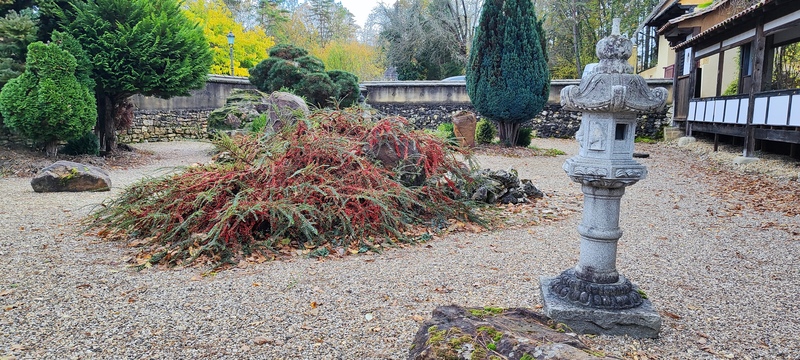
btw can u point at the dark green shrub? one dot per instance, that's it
(88, 144)
(259, 74)
(283, 74)
(485, 132)
(524, 137)
(311, 64)
(287, 52)
(347, 85)
(290, 69)
(47, 103)
(317, 89)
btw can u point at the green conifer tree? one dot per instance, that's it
(47, 103)
(507, 76)
(146, 47)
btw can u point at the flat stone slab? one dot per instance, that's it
(686, 140)
(640, 322)
(743, 160)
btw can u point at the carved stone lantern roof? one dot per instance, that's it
(612, 86)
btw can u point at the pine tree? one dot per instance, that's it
(507, 76)
(17, 31)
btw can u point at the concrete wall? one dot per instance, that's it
(455, 92)
(181, 117)
(210, 97)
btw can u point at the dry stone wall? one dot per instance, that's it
(166, 125)
(552, 121)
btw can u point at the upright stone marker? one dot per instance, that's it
(593, 297)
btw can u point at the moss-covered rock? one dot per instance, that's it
(494, 333)
(245, 105)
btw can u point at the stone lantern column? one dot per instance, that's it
(593, 297)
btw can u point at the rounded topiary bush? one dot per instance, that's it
(47, 103)
(317, 88)
(260, 73)
(283, 74)
(287, 52)
(290, 68)
(485, 132)
(524, 137)
(311, 64)
(347, 84)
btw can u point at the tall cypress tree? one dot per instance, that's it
(507, 76)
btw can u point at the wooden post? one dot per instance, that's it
(716, 142)
(755, 86)
(720, 65)
(692, 80)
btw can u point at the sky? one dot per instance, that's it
(361, 8)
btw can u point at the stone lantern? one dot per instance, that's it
(593, 297)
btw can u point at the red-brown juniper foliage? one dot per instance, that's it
(310, 186)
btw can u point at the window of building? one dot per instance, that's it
(647, 49)
(785, 66)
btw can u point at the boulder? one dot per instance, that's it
(504, 187)
(71, 176)
(464, 123)
(245, 105)
(455, 332)
(282, 108)
(240, 108)
(398, 154)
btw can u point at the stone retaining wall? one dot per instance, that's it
(163, 125)
(551, 122)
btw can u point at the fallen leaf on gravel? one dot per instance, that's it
(11, 307)
(260, 340)
(7, 292)
(708, 349)
(256, 284)
(314, 304)
(669, 314)
(418, 318)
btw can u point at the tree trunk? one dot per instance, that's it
(106, 126)
(576, 38)
(51, 149)
(508, 132)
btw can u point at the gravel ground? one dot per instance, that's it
(727, 286)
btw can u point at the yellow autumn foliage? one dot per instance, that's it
(360, 59)
(249, 48)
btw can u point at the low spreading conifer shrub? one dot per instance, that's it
(310, 186)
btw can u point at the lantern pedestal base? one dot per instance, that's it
(642, 321)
